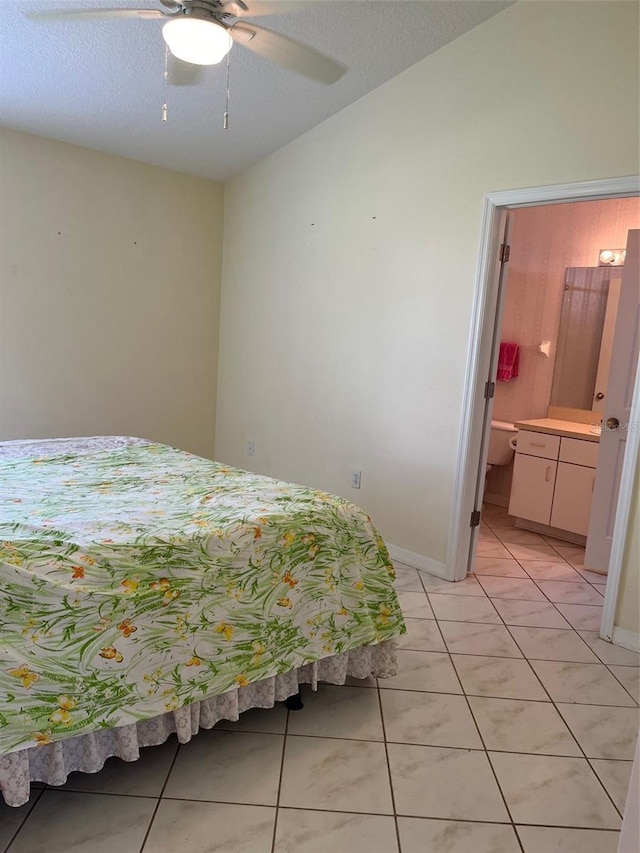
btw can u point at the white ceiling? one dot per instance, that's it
(100, 83)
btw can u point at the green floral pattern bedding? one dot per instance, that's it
(140, 578)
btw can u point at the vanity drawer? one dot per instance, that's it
(538, 444)
(579, 452)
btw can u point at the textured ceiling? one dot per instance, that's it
(100, 83)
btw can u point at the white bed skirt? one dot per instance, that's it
(88, 753)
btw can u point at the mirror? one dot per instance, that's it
(585, 337)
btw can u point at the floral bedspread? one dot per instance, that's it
(137, 578)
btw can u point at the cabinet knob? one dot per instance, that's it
(612, 423)
(599, 396)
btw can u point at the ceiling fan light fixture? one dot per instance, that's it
(197, 40)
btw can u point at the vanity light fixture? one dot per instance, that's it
(611, 257)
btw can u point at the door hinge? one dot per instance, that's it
(505, 251)
(489, 390)
(475, 518)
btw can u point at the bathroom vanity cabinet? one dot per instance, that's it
(553, 475)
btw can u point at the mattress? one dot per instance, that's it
(137, 579)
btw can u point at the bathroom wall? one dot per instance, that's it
(545, 241)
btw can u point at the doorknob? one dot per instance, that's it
(612, 423)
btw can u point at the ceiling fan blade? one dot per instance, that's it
(96, 14)
(260, 8)
(287, 52)
(180, 73)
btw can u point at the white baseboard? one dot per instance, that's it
(627, 639)
(416, 561)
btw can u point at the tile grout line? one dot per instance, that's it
(284, 746)
(347, 811)
(389, 774)
(558, 711)
(162, 790)
(623, 760)
(624, 687)
(628, 665)
(546, 598)
(558, 660)
(494, 598)
(455, 596)
(408, 815)
(579, 577)
(159, 799)
(562, 559)
(586, 758)
(553, 603)
(493, 771)
(523, 657)
(446, 819)
(582, 579)
(386, 814)
(542, 536)
(486, 752)
(530, 667)
(487, 696)
(595, 772)
(579, 603)
(484, 749)
(24, 820)
(575, 631)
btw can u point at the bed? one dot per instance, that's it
(147, 591)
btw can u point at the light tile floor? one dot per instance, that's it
(510, 727)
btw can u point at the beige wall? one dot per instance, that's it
(110, 277)
(350, 255)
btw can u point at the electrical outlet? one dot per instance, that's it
(251, 446)
(356, 475)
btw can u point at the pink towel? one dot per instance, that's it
(508, 361)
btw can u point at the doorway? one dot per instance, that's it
(482, 364)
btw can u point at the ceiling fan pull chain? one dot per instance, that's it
(166, 83)
(225, 123)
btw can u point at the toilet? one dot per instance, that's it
(501, 443)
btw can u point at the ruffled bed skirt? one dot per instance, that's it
(88, 753)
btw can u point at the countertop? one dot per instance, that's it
(569, 429)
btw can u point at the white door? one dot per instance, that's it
(615, 418)
(489, 391)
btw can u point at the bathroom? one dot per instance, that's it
(557, 329)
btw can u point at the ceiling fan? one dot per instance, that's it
(202, 32)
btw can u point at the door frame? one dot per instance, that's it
(485, 312)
